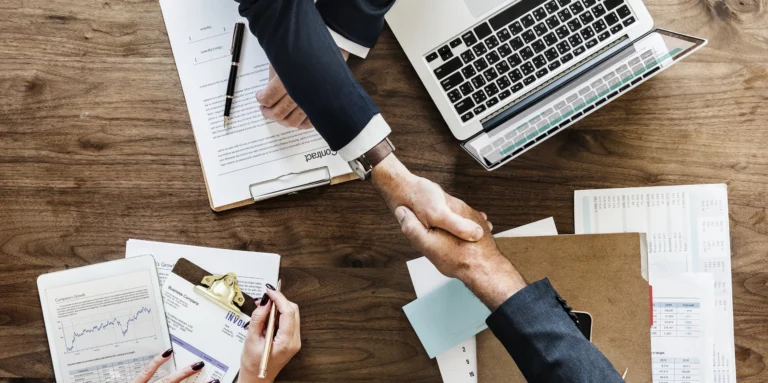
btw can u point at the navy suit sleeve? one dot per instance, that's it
(544, 341)
(360, 21)
(309, 63)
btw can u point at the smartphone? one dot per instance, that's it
(585, 323)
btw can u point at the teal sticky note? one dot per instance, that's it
(447, 316)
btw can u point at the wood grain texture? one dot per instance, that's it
(96, 147)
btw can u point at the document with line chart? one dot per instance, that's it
(104, 321)
(250, 149)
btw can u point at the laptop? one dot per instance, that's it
(507, 75)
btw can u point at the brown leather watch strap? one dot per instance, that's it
(379, 152)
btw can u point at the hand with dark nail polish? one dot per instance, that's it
(286, 342)
(264, 299)
(270, 287)
(175, 377)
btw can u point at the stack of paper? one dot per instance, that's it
(259, 268)
(688, 232)
(200, 330)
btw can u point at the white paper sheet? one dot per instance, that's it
(250, 150)
(105, 321)
(459, 364)
(682, 326)
(688, 231)
(253, 270)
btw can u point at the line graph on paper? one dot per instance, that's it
(108, 329)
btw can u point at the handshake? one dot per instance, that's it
(454, 237)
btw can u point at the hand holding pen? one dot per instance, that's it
(286, 343)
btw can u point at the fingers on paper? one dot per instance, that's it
(272, 94)
(146, 373)
(294, 119)
(183, 373)
(306, 124)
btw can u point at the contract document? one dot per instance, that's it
(251, 156)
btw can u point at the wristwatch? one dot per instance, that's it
(363, 165)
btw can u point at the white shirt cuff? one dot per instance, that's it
(349, 46)
(373, 133)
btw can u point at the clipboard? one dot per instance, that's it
(286, 184)
(222, 290)
(207, 320)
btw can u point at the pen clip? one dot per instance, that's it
(234, 35)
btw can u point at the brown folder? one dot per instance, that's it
(599, 274)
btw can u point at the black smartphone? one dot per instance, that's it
(585, 323)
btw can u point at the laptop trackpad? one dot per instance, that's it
(479, 7)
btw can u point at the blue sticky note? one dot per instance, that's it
(446, 317)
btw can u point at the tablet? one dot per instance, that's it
(105, 322)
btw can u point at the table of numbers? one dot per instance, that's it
(676, 319)
(115, 372)
(675, 370)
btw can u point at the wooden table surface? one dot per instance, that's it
(96, 148)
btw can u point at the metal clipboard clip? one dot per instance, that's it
(290, 183)
(222, 290)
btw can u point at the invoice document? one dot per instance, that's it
(251, 149)
(253, 270)
(687, 231)
(459, 364)
(681, 334)
(105, 322)
(203, 331)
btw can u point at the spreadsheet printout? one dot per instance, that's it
(681, 334)
(687, 231)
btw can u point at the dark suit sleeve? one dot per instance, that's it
(360, 21)
(547, 346)
(304, 55)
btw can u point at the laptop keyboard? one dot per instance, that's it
(526, 42)
(573, 105)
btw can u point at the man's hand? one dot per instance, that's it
(277, 104)
(432, 206)
(480, 265)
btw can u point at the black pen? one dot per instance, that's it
(237, 44)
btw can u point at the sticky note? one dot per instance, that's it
(446, 316)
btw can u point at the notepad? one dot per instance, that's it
(439, 332)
